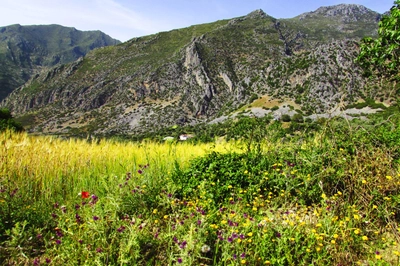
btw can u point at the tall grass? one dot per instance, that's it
(329, 198)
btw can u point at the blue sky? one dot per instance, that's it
(124, 19)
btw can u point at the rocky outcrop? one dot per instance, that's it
(199, 73)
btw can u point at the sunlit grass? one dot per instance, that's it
(319, 200)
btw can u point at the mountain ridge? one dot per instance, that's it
(26, 50)
(196, 74)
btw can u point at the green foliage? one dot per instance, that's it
(8, 122)
(285, 118)
(381, 56)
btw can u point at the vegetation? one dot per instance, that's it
(7, 122)
(381, 56)
(268, 193)
(326, 198)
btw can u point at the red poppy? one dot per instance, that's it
(85, 195)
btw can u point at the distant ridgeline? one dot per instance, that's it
(25, 50)
(208, 72)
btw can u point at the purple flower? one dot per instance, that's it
(63, 209)
(36, 262)
(58, 241)
(95, 218)
(39, 236)
(140, 171)
(230, 239)
(78, 218)
(234, 256)
(77, 206)
(198, 222)
(54, 215)
(99, 250)
(48, 260)
(55, 205)
(183, 244)
(179, 260)
(121, 229)
(243, 255)
(278, 235)
(80, 241)
(175, 240)
(59, 233)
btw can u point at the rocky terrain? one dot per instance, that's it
(203, 72)
(27, 50)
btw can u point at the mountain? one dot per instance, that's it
(204, 72)
(26, 50)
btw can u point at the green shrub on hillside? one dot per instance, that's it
(8, 122)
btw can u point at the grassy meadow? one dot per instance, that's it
(323, 196)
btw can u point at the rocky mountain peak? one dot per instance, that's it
(259, 13)
(348, 12)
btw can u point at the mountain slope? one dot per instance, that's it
(25, 50)
(202, 72)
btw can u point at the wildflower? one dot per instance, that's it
(267, 262)
(58, 241)
(95, 218)
(356, 231)
(205, 248)
(243, 255)
(155, 211)
(99, 250)
(36, 262)
(364, 181)
(48, 260)
(179, 260)
(365, 238)
(388, 177)
(94, 199)
(85, 194)
(250, 234)
(121, 229)
(140, 171)
(183, 245)
(243, 261)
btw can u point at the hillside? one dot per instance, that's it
(196, 74)
(26, 50)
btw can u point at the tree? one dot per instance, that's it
(8, 122)
(381, 56)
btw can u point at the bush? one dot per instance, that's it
(285, 118)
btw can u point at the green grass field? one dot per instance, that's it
(329, 196)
